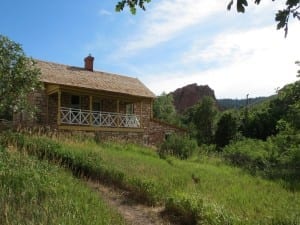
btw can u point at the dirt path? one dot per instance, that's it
(134, 213)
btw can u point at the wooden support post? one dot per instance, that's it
(47, 112)
(151, 109)
(91, 109)
(118, 111)
(58, 106)
(141, 114)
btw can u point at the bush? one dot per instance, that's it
(278, 157)
(249, 153)
(286, 156)
(179, 146)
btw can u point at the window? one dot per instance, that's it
(97, 106)
(129, 108)
(75, 101)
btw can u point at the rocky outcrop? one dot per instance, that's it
(189, 95)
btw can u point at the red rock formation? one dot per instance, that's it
(189, 95)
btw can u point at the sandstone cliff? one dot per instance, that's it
(189, 95)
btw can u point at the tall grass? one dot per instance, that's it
(209, 192)
(34, 192)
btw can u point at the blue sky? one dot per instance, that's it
(172, 44)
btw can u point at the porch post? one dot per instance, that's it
(118, 111)
(58, 106)
(47, 113)
(91, 109)
(151, 109)
(141, 113)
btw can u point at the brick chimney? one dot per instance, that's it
(89, 63)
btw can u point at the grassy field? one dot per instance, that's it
(34, 192)
(205, 191)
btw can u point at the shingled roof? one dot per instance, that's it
(80, 77)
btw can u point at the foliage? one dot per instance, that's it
(163, 109)
(270, 117)
(132, 4)
(226, 129)
(258, 124)
(239, 103)
(205, 113)
(179, 146)
(282, 16)
(287, 105)
(34, 192)
(278, 157)
(212, 191)
(285, 157)
(18, 77)
(249, 153)
(298, 72)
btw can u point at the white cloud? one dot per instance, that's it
(255, 61)
(166, 19)
(242, 54)
(228, 47)
(103, 12)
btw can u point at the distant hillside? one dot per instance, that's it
(227, 103)
(189, 95)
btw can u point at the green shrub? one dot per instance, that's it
(249, 153)
(179, 146)
(276, 158)
(285, 158)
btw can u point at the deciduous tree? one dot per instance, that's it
(205, 113)
(18, 77)
(226, 129)
(163, 108)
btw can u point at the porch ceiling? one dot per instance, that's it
(55, 88)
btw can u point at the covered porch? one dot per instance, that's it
(82, 109)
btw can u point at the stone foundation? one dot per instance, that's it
(130, 137)
(159, 130)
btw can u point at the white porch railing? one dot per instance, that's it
(97, 118)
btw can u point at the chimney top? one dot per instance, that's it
(89, 63)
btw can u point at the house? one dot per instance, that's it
(81, 99)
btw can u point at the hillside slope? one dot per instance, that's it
(220, 194)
